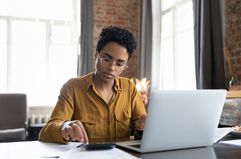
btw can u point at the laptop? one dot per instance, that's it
(179, 120)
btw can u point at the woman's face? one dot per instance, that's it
(111, 61)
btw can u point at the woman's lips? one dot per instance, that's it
(109, 75)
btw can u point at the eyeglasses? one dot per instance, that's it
(106, 62)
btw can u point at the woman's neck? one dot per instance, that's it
(101, 84)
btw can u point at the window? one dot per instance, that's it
(174, 43)
(39, 45)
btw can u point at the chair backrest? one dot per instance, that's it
(13, 110)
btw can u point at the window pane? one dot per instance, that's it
(21, 8)
(3, 31)
(184, 64)
(62, 66)
(47, 9)
(60, 34)
(63, 59)
(5, 7)
(167, 25)
(167, 63)
(165, 4)
(184, 17)
(3, 55)
(3, 67)
(177, 70)
(28, 60)
(54, 9)
(41, 53)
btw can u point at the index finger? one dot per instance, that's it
(84, 134)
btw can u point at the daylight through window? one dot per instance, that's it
(39, 45)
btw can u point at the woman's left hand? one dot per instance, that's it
(140, 123)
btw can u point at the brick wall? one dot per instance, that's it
(122, 13)
(125, 13)
(233, 34)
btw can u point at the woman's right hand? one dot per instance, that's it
(74, 131)
(144, 97)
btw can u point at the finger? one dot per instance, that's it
(84, 134)
(72, 131)
(65, 134)
(145, 100)
(77, 132)
(144, 92)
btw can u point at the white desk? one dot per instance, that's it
(37, 150)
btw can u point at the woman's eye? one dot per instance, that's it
(107, 60)
(120, 64)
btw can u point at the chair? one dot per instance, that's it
(13, 117)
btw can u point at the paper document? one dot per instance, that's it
(40, 150)
(81, 153)
(33, 149)
(232, 142)
(220, 133)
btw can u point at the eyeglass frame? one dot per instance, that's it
(111, 62)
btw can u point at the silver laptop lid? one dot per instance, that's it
(182, 119)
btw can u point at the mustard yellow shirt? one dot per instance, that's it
(79, 100)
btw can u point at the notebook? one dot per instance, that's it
(179, 120)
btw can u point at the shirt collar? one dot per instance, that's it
(117, 84)
(89, 83)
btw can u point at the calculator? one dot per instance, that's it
(100, 146)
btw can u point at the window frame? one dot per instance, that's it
(74, 26)
(157, 72)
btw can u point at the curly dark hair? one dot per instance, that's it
(118, 35)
